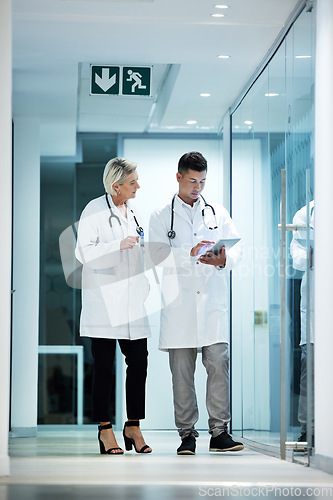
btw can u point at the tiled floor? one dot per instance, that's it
(66, 465)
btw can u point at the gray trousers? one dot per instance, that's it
(215, 359)
(302, 404)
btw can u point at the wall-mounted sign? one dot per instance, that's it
(105, 79)
(120, 80)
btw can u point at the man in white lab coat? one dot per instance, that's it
(198, 318)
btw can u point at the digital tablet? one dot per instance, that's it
(227, 243)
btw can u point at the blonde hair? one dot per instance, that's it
(117, 170)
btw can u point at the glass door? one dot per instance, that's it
(272, 140)
(297, 210)
(297, 339)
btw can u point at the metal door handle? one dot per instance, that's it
(292, 227)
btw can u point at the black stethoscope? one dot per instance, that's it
(139, 229)
(171, 233)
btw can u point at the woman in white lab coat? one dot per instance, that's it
(114, 289)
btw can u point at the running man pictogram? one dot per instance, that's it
(136, 78)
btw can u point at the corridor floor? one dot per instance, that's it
(66, 465)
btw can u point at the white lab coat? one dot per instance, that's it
(299, 255)
(199, 314)
(114, 287)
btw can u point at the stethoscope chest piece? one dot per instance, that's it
(171, 234)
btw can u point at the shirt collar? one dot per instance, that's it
(186, 205)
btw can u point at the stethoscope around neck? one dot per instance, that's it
(139, 229)
(172, 233)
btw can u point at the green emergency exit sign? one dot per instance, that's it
(105, 80)
(121, 80)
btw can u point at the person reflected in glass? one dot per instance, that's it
(114, 290)
(298, 251)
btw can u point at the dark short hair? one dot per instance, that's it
(192, 161)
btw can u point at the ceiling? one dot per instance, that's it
(56, 41)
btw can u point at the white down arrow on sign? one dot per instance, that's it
(105, 82)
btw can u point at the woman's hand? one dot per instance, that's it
(129, 242)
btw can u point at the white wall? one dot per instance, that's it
(226, 160)
(324, 236)
(25, 276)
(250, 380)
(157, 166)
(5, 208)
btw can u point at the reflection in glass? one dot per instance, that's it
(272, 129)
(301, 250)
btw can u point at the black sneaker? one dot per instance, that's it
(302, 438)
(224, 442)
(187, 447)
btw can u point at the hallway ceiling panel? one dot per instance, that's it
(51, 38)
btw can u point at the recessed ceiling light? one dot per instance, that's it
(248, 122)
(217, 15)
(271, 94)
(204, 95)
(191, 122)
(302, 57)
(223, 57)
(221, 6)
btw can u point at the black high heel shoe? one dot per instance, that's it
(129, 442)
(101, 444)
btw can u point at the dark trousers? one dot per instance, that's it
(136, 358)
(302, 405)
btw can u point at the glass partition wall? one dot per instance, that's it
(272, 135)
